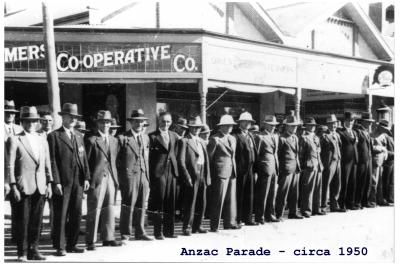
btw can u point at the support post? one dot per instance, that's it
(298, 102)
(51, 67)
(369, 107)
(203, 90)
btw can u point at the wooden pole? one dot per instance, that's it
(203, 89)
(51, 67)
(298, 102)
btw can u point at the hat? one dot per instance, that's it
(195, 122)
(205, 129)
(146, 123)
(70, 109)
(114, 124)
(81, 126)
(310, 121)
(385, 124)
(29, 113)
(367, 116)
(331, 119)
(246, 116)
(349, 116)
(226, 120)
(322, 129)
(291, 119)
(383, 108)
(271, 120)
(182, 122)
(103, 115)
(137, 115)
(254, 128)
(9, 106)
(339, 125)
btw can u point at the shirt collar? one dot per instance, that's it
(29, 134)
(68, 130)
(135, 134)
(103, 135)
(163, 132)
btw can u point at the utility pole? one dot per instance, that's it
(51, 67)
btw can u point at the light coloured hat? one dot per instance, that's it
(29, 113)
(291, 119)
(104, 115)
(367, 116)
(246, 116)
(195, 122)
(182, 122)
(255, 128)
(331, 119)
(205, 129)
(81, 126)
(70, 109)
(270, 119)
(9, 106)
(226, 120)
(310, 121)
(114, 124)
(137, 115)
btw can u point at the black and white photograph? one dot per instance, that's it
(199, 131)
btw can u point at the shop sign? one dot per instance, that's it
(106, 57)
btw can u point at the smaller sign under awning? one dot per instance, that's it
(249, 88)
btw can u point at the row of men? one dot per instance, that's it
(149, 168)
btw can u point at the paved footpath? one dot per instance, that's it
(371, 229)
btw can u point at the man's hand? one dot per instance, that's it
(16, 193)
(86, 185)
(58, 190)
(49, 191)
(189, 182)
(7, 189)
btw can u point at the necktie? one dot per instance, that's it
(139, 142)
(9, 130)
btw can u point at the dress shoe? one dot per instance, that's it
(199, 230)
(339, 210)
(111, 243)
(318, 213)
(143, 237)
(91, 246)
(251, 223)
(35, 255)
(75, 249)
(171, 236)
(21, 259)
(61, 252)
(384, 203)
(159, 237)
(273, 219)
(354, 208)
(233, 227)
(261, 222)
(295, 216)
(214, 230)
(186, 232)
(370, 205)
(306, 215)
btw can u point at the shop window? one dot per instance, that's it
(390, 14)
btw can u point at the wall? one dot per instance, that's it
(71, 93)
(243, 27)
(272, 103)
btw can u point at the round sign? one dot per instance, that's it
(385, 78)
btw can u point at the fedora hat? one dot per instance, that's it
(70, 109)
(255, 128)
(339, 125)
(246, 116)
(137, 115)
(103, 115)
(291, 119)
(322, 129)
(226, 120)
(195, 122)
(81, 126)
(182, 122)
(270, 119)
(114, 124)
(367, 116)
(385, 124)
(383, 108)
(205, 129)
(9, 106)
(309, 121)
(29, 113)
(331, 119)
(349, 116)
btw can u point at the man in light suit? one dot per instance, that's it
(267, 169)
(29, 171)
(133, 177)
(195, 173)
(221, 152)
(102, 150)
(71, 178)
(163, 173)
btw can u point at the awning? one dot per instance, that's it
(247, 88)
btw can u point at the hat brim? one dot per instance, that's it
(11, 110)
(82, 130)
(196, 125)
(369, 120)
(30, 118)
(208, 131)
(109, 120)
(246, 120)
(183, 126)
(115, 126)
(222, 124)
(293, 123)
(331, 121)
(137, 118)
(271, 123)
(70, 114)
(313, 124)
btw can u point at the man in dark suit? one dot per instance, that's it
(289, 169)
(221, 152)
(311, 166)
(46, 124)
(163, 173)
(29, 171)
(364, 166)
(71, 178)
(388, 165)
(133, 177)
(349, 140)
(267, 165)
(245, 156)
(330, 157)
(102, 150)
(195, 173)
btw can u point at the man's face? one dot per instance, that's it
(47, 123)
(9, 117)
(310, 128)
(245, 125)
(291, 129)
(179, 130)
(367, 125)
(348, 124)
(104, 126)
(165, 122)
(29, 125)
(69, 121)
(137, 125)
(113, 131)
(205, 136)
(332, 126)
(195, 130)
(226, 129)
(270, 128)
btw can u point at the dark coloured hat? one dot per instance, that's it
(322, 129)
(332, 118)
(103, 115)
(29, 113)
(205, 129)
(309, 121)
(270, 119)
(349, 116)
(81, 126)
(182, 122)
(70, 109)
(291, 119)
(385, 124)
(383, 108)
(9, 106)
(367, 116)
(114, 124)
(137, 115)
(195, 122)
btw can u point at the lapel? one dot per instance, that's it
(171, 140)
(113, 143)
(27, 146)
(291, 143)
(101, 144)
(161, 140)
(192, 144)
(132, 143)
(64, 137)
(225, 142)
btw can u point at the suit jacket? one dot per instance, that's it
(364, 146)
(288, 153)
(222, 155)
(349, 146)
(379, 151)
(129, 157)
(310, 149)
(162, 155)
(245, 153)
(16, 129)
(101, 160)
(330, 148)
(63, 158)
(188, 157)
(24, 169)
(267, 153)
(390, 149)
